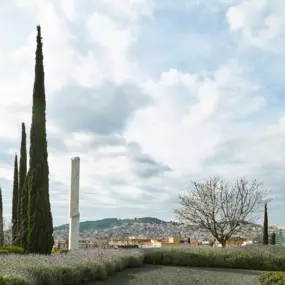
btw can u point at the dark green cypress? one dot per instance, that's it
(22, 177)
(15, 202)
(272, 238)
(40, 224)
(265, 226)
(1, 220)
(23, 236)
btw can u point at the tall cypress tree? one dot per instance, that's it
(1, 220)
(23, 195)
(265, 225)
(15, 202)
(40, 224)
(23, 242)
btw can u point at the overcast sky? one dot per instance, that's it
(150, 94)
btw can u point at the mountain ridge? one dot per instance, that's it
(111, 222)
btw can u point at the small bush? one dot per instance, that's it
(12, 280)
(110, 266)
(65, 250)
(12, 249)
(273, 278)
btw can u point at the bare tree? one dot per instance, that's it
(221, 208)
(8, 237)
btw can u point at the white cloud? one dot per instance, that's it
(261, 23)
(213, 5)
(115, 41)
(130, 9)
(187, 121)
(69, 9)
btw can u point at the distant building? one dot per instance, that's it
(174, 240)
(60, 244)
(280, 236)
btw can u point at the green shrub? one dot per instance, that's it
(12, 249)
(277, 278)
(66, 269)
(12, 280)
(110, 266)
(65, 250)
(222, 258)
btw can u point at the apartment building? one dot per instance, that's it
(280, 236)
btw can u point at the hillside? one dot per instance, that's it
(147, 227)
(111, 222)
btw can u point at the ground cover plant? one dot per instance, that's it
(267, 258)
(272, 278)
(78, 267)
(11, 249)
(87, 266)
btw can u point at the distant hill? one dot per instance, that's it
(111, 222)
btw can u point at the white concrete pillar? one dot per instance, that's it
(74, 215)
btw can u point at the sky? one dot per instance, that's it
(150, 94)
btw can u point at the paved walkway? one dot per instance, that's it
(162, 275)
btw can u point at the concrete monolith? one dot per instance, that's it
(74, 215)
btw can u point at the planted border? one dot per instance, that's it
(71, 273)
(272, 278)
(251, 259)
(83, 267)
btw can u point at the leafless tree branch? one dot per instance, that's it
(221, 208)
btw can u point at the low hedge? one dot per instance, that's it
(271, 278)
(80, 272)
(11, 249)
(82, 267)
(238, 259)
(12, 280)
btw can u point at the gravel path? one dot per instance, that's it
(162, 275)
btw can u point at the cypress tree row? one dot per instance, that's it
(1, 220)
(265, 225)
(23, 194)
(40, 224)
(15, 203)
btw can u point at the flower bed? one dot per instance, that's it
(78, 267)
(85, 266)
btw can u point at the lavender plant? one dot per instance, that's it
(269, 258)
(75, 267)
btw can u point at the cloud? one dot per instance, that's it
(260, 23)
(99, 114)
(130, 9)
(69, 9)
(115, 40)
(149, 96)
(145, 165)
(190, 113)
